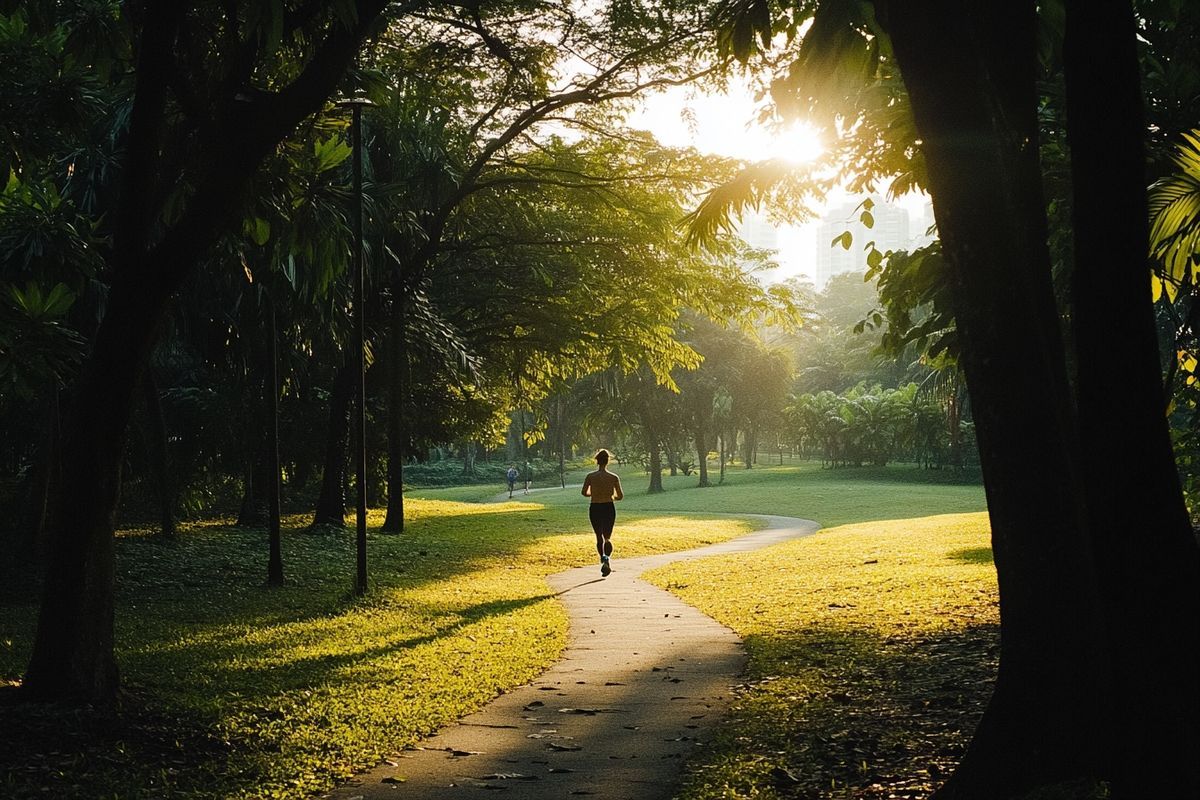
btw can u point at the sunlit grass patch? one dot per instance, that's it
(237, 690)
(872, 650)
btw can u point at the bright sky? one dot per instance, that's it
(726, 125)
(723, 124)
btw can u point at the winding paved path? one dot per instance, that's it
(643, 680)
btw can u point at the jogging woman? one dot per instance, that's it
(604, 488)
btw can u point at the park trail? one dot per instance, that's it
(643, 682)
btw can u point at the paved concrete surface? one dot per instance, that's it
(644, 679)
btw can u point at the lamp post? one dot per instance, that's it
(356, 105)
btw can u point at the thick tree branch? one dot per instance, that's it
(249, 129)
(146, 123)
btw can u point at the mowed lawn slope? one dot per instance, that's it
(236, 690)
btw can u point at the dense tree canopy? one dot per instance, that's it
(175, 314)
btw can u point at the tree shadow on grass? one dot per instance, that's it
(194, 622)
(133, 749)
(973, 555)
(237, 661)
(840, 713)
(148, 751)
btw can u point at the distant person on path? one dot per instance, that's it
(528, 476)
(604, 488)
(512, 479)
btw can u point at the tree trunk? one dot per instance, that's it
(702, 454)
(656, 484)
(72, 655)
(255, 507)
(331, 503)
(163, 483)
(1141, 535)
(562, 448)
(721, 454)
(275, 554)
(45, 476)
(393, 522)
(971, 81)
(954, 412)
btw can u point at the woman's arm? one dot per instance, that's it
(586, 491)
(617, 493)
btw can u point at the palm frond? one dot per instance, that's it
(1174, 205)
(724, 205)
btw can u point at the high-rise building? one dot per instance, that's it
(889, 231)
(758, 231)
(780, 240)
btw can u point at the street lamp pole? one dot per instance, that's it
(360, 417)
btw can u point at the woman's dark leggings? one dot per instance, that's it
(603, 517)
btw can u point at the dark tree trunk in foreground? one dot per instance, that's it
(72, 656)
(73, 650)
(45, 476)
(331, 503)
(971, 80)
(275, 550)
(1145, 552)
(163, 484)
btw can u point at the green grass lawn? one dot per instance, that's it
(872, 651)
(236, 690)
(829, 496)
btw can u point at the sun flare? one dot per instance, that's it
(799, 143)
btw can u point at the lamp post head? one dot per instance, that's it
(356, 102)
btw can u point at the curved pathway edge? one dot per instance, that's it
(643, 680)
